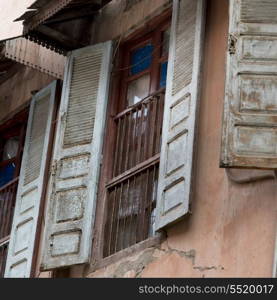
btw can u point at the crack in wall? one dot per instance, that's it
(137, 266)
(206, 268)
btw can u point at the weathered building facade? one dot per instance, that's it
(139, 139)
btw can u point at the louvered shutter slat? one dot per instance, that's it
(180, 113)
(249, 137)
(73, 187)
(22, 241)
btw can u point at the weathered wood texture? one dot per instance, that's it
(250, 114)
(35, 56)
(180, 112)
(30, 184)
(77, 157)
(121, 20)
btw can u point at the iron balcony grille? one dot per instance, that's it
(7, 205)
(131, 193)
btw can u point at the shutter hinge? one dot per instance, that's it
(232, 44)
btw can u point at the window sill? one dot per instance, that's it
(104, 262)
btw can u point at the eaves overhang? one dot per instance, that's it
(61, 25)
(24, 52)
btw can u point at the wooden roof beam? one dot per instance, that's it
(58, 36)
(72, 15)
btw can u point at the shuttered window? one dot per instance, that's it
(132, 187)
(76, 159)
(147, 177)
(145, 181)
(180, 113)
(12, 135)
(31, 184)
(250, 111)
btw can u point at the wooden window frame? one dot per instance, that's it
(119, 79)
(16, 126)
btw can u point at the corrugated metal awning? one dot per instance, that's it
(16, 49)
(35, 56)
(44, 10)
(52, 23)
(30, 54)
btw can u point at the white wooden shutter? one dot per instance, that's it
(77, 157)
(180, 114)
(30, 185)
(250, 110)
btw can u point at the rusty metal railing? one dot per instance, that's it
(3, 256)
(131, 193)
(7, 204)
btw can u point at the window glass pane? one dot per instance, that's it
(6, 174)
(141, 59)
(138, 89)
(163, 74)
(10, 148)
(166, 36)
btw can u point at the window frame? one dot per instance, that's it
(162, 22)
(15, 126)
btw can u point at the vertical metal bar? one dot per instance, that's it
(133, 163)
(12, 194)
(138, 207)
(1, 214)
(130, 210)
(132, 204)
(124, 210)
(6, 194)
(144, 205)
(116, 147)
(153, 194)
(153, 124)
(130, 141)
(146, 120)
(137, 161)
(3, 258)
(5, 210)
(1, 261)
(111, 221)
(128, 138)
(121, 147)
(117, 220)
(159, 124)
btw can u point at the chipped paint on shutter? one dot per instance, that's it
(185, 36)
(250, 111)
(30, 185)
(180, 114)
(77, 155)
(84, 85)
